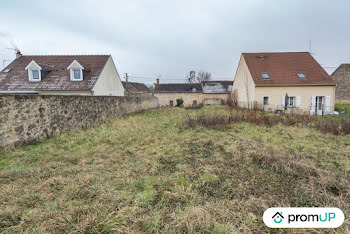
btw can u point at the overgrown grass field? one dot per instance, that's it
(147, 173)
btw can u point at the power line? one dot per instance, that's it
(154, 78)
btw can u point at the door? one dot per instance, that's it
(319, 105)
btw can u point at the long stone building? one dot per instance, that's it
(207, 93)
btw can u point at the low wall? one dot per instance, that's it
(27, 118)
(342, 101)
(165, 98)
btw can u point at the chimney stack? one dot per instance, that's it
(18, 54)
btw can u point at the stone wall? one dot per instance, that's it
(27, 118)
(341, 77)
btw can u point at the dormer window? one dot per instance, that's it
(34, 71)
(76, 71)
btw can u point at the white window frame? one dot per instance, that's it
(74, 74)
(319, 105)
(293, 98)
(30, 71)
(75, 65)
(33, 77)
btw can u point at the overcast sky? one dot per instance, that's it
(169, 38)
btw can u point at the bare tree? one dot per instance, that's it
(232, 98)
(246, 87)
(191, 77)
(203, 76)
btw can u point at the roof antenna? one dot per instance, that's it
(4, 61)
(17, 52)
(310, 46)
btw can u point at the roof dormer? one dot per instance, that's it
(34, 71)
(76, 71)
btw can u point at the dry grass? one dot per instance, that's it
(144, 174)
(329, 124)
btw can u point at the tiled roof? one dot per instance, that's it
(179, 88)
(283, 67)
(57, 77)
(135, 87)
(217, 86)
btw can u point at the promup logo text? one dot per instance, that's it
(303, 217)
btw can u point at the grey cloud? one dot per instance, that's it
(171, 37)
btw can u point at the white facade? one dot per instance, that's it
(109, 83)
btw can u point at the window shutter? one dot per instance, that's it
(283, 101)
(313, 105)
(328, 105)
(298, 101)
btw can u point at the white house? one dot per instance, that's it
(291, 81)
(93, 75)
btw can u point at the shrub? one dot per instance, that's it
(258, 117)
(342, 108)
(179, 102)
(345, 126)
(232, 99)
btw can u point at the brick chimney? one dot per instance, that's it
(18, 54)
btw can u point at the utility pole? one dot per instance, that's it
(126, 77)
(310, 44)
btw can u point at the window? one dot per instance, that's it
(171, 103)
(319, 103)
(34, 71)
(265, 75)
(76, 71)
(194, 89)
(76, 74)
(291, 101)
(194, 103)
(301, 75)
(266, 100)
(35, 74)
